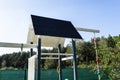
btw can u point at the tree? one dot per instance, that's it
(110, 42)
(102, 43)
(117, 40)
(110, 58)
(22, 61)
(50, 63)
(3, 63)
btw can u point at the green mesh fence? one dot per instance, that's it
(12, 74)
(50, 74)
(67, 74)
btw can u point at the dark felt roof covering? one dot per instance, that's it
(54, 27)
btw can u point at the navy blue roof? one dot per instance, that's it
(54, 27)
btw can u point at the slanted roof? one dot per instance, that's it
(54, 27)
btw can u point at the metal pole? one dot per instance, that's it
(74, 60)
(59, 62)
(39, 59)
(25, 76)
(97, 59)
(31, 50)
(21, 49)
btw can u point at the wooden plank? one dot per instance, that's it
(17, 45)
(88, 30)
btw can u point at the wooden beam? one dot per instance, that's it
(17, 45)
(88, 30)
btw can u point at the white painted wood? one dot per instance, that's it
(31, 67)
(49, 58)
(62, 54)
(67, 58)
(88, 30)
(17, 45)
(46, 41)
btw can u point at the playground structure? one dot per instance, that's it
(60, 28)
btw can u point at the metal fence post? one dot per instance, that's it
(39, 59)
(60, 62)
(74, 60)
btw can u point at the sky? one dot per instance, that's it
(103, 15)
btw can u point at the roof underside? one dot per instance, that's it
(54, 27)
(47, 41)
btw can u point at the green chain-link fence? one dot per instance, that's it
(50, 74)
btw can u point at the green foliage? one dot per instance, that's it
(110, 58)
(3, 63)
(86, 52)
(14, 60)
(110, 62)
(69, 49)
(110, 42)
(8, 68)
(102, 43)
(117, 40)
(22, 61)
(50, 64)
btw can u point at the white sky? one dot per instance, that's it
(96, 14)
